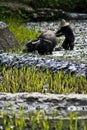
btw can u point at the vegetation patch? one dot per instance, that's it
(77, 6)
(39, 121)
(32, 80)
(20, 31)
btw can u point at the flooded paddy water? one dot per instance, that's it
(41, 111)
(79, 54)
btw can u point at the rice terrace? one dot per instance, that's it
(43, 65)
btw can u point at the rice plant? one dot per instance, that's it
(39, 121)
(28, 79)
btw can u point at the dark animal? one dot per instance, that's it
(44, 43)
(47, 42)
(31, 46)
(45, 46)
(66, 30)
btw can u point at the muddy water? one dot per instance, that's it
(56, 107)
(79, 54)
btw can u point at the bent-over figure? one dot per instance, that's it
(66, 30)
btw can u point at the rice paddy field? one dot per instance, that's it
(30, 80)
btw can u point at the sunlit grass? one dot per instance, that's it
(30, 80)
(21, 32)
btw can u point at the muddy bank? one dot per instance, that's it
(62, 104)
(54, 65)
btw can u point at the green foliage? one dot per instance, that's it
(39, 81)
(66, 5)
(80, 6)
(20, 31)
(11, 122)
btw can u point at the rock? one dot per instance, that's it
(7, 39)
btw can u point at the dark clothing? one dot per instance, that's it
(68, 43)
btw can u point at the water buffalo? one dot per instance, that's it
(44, 43)
(31, 46)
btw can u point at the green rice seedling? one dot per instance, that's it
(28, 79)
(56, 79)
(73, 123)
(13, 121)
(59, 125)
(38, 120)
(19, 122)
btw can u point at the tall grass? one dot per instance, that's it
(30, 80)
